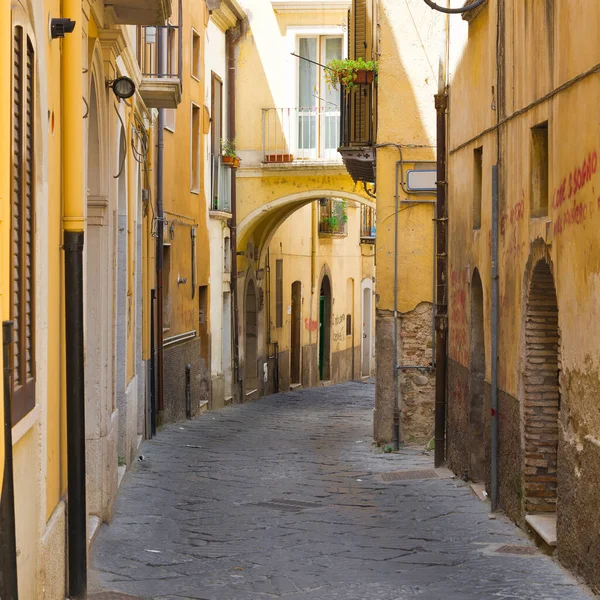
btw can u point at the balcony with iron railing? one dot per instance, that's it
(303, 135)
(159, 52)
(220, 187)
(367, 225)
(333, 218)
(357, 134)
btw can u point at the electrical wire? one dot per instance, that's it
(454, 11)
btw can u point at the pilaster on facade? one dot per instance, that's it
(113, 44)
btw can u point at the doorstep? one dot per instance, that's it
(203, 407)
(544, 526)
(295, 386)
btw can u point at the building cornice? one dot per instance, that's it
(471, 14)
(309, 5)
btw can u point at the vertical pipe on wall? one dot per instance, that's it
(160, 153)
(494, 415)
(8, 543)
(396, 432)
(441, 317)
(74, 227)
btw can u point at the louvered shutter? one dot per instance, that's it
(23, 226)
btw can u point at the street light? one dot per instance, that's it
(122, 87)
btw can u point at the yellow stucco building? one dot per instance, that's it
(525, 106)
(305, 256)
(76, 180)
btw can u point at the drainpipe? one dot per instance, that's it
(396, 432)
(494, 424)
(160, 233)
(231, 40)
(74, 227)
(8, 546)
(313, 270)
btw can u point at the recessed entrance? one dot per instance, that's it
(325, 329)
(477, 384)
(296, 342)
(366, 331)
(542, 392)
(251, 329)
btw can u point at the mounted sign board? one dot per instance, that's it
(421, 181)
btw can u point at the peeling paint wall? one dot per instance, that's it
(537, 56)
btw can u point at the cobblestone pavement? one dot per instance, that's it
(281, 498)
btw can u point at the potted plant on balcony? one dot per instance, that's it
(350, 73)
(230, 158)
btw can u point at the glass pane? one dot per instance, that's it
(308, 72)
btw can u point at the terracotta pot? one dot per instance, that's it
(279, 158)
(363, 76)
(231, 161)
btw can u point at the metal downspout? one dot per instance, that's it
(74, 227)
(494, 416)
(160, 233)
(396, 431)
(8, 543)
(441, 318)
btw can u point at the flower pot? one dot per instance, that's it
(364, 76)
(279, 158)
(231, 161)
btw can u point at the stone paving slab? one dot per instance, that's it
(279, 498)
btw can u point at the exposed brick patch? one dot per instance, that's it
(542, 392)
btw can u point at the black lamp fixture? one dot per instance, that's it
(58, 27)
(122, 87)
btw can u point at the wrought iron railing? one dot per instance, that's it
(358, 115)
(220, 184)
(159, 50)
(333, 216)
(300, 134)
(367, 223)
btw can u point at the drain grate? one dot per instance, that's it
(514, 549)
(407, 475)
(287, 505)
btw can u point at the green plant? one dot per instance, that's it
(344, 72)
(332, 223)
(228, 147)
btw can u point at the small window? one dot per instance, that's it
(170, 119)
(166, 285)
(539, 170)
(477, 186)
(348, 324)
(196, 54)
(279, 293)
(195, 149)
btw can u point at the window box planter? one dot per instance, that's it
(231, 161)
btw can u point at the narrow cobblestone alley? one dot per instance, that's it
(283, 497)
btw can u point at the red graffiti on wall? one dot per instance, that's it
(570, 210)
(311, 325)
(514, 215)
(458, 317)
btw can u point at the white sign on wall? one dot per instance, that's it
(421, 181)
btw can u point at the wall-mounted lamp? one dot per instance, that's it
(58, 27)
(122, 87)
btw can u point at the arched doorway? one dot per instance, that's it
(477, 383)
(296, 333)
(325, 329)
(251, 329)
(542, 392)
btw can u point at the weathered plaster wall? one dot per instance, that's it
(409, 40)
(539, 56)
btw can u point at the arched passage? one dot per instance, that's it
(477, 382)
(542, 391)
(325, 329)
(251, 343)
(261, 223)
